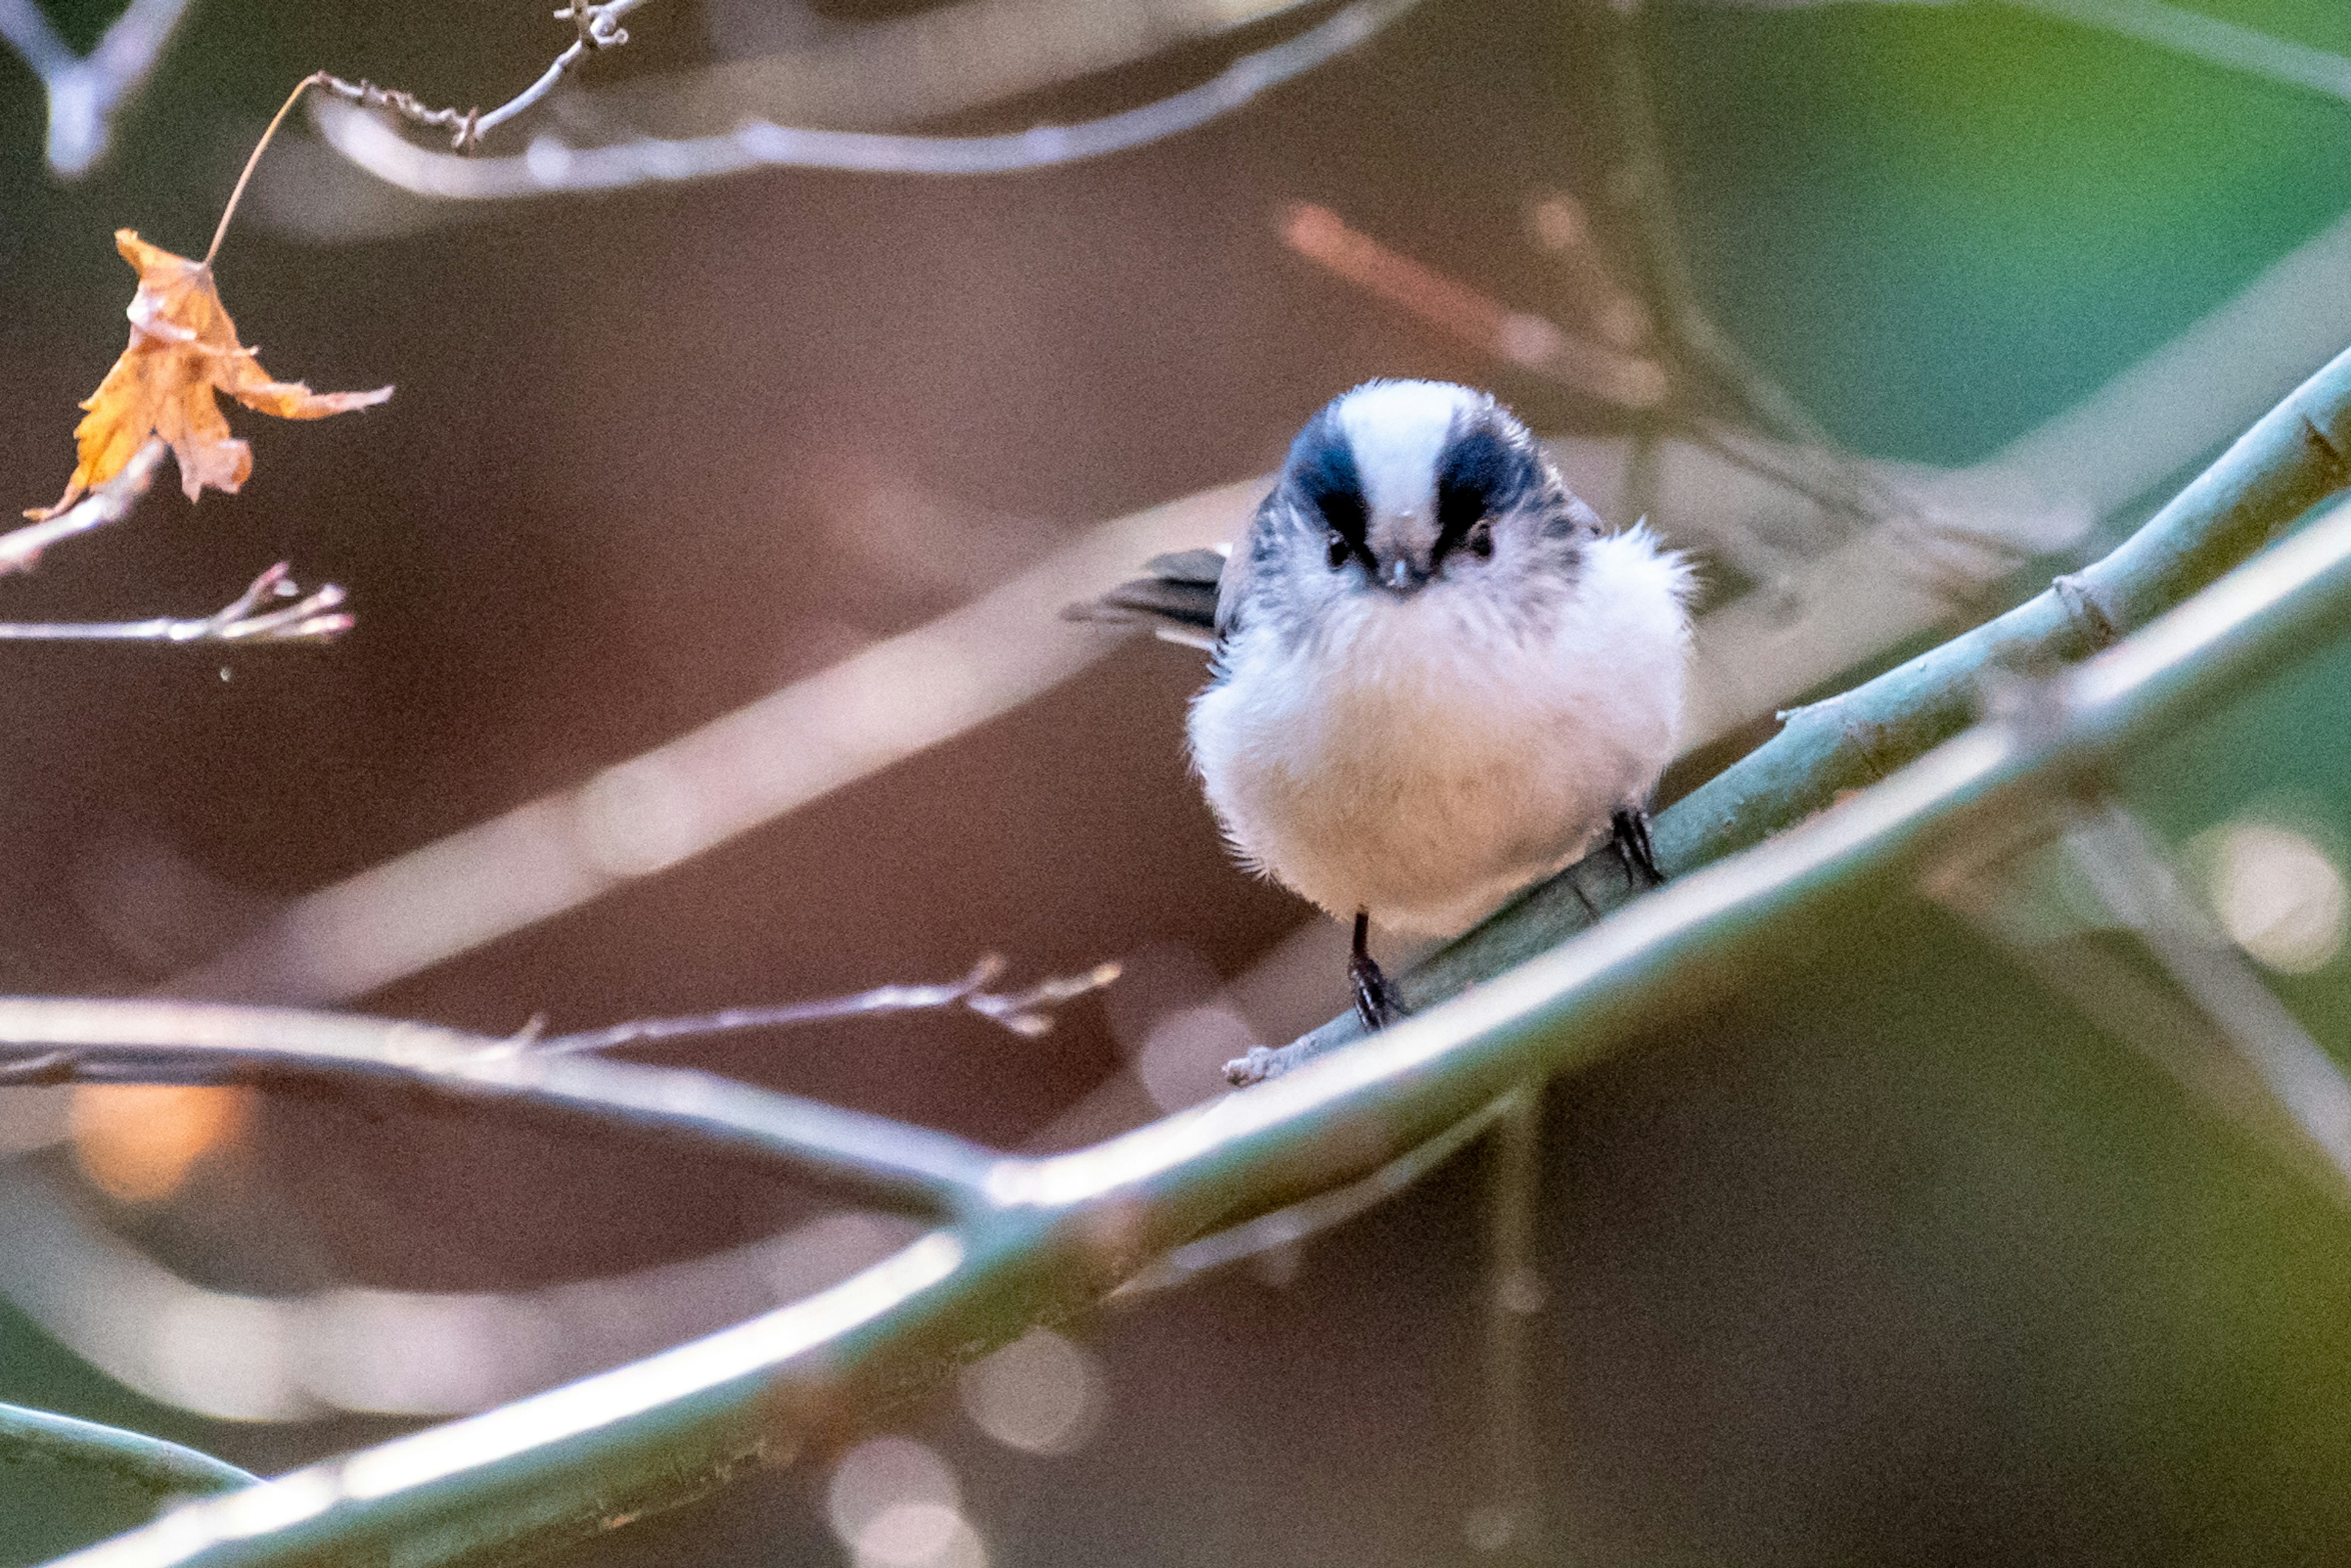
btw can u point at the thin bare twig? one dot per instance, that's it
(1288, 1226)
(1025, 1013)
(596, 27)
(1587, 365)
(314, 617)
(20, 549)
(892, 1163)
(551, 166)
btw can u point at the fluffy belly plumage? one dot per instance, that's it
(1425, 766)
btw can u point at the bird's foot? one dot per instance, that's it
(1376, 1002)
(1629, 837)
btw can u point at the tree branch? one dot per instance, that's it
(551, 166)
(598, 26)
(92, 1041)
(1025, 1013)
(2273, 475)
(21, 547)
(161, 1469)
(315, 617)
(2307, 1092)
(86, 91)
(1055, 1233)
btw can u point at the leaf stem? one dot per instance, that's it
(220, 230)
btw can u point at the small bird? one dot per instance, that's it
(1435, 676)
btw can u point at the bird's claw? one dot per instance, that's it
(1629, 837)
(1376, 1002)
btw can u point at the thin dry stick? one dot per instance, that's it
(1024, 1013)
(315, 617)
(599, 28)
(757, 143)
(20, 549)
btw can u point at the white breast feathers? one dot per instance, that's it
(1425, 757)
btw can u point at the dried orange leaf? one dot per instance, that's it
(184, 350)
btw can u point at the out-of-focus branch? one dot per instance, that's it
(923, 64)
(2197, 1012)
(637, 818)
(1053, 1233)
(314, 617)
(1288, 1226)
(20, 549)
(553, 165)
(1519, 338)
(1702, 349)
(109, 1041)
(2206, 39)
(158, 1469)
(1025, 1012)
(1507, 1524)
(598, 26)
(86, 91)
(2298, 454)
(2119, 858)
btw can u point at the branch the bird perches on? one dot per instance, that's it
(1766, 844)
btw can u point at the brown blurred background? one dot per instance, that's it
(1901, 1259)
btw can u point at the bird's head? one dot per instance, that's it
(1401, 487)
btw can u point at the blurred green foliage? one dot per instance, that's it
(1943, 224)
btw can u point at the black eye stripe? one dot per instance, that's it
(1482, 471)
(1322, 468)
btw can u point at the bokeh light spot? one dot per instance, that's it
(139, 1142)
(919, 1535)
(2277, 895)
(1041, 1394)
(883, 1474)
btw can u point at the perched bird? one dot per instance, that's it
(1435, 676)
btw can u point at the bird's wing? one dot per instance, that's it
(1177, 599)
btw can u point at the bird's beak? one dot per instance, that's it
(1402, 576)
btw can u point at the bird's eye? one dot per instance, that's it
(1480, 539)
(1337, 548)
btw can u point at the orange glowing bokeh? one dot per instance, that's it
(138, 1143)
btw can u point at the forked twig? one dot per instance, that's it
(1026, 1013)
(598, 26)
(315, 617)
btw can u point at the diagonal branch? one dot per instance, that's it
(2274, 473)
(2118, 857)
(21, 547)
(1055, 1233)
